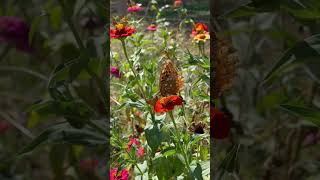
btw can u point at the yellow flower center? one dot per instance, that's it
(119, 26)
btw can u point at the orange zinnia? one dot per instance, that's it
(199, 28)
(165, 104)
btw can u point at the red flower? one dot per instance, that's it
(177, 3)
(152, 27)
(89, 165)
(199, 28)
(135, 141)
(134, 8)
(121, 30)
(219, 124)
(122, 175)
(115, 72)
(4, 127)
(167, 103)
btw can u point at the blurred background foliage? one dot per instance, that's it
(275, 98)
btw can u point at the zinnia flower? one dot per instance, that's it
(121, 30)
(219, 124)
(134, 8)
(152, 27)
(199, 28)
(177, 3)
(165, 104)
(122, 175)
(115, 72)
(140, 149)
(202, 37)
(15, 31)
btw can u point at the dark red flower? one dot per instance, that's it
(177, 3)
(219, 124)
(89, 165)
(199, 28)
(122, 175)
(121, 30)
(15, 31)
(165, 104)
(4, 127)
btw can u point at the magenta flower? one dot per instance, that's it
(15, 31)
(122, 175)
(134, 8)
(152, 27)
(115, 72)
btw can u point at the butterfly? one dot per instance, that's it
(224, 66)
(170, 81)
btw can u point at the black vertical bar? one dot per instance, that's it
(107, 86)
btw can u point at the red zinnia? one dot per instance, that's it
(152, 27)
(166, 104)
(121, 31)
(219, 124)
(199, 28)
(134, 8)
(122, 175)
(177, 3)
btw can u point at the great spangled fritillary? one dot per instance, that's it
(170, 82)
(224, 66)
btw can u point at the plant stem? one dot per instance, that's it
(178, 135)
(132, 69)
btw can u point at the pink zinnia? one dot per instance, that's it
(140, 152)
(115, 72)
(152, 27)
(122, 175)
(131, 142)
(139, 149)
(15, 31)
(134, 8)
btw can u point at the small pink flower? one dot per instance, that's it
(115, 72)
(134, 8)
(152, 27)
(122, 175)
(140, 152)
(131, 142)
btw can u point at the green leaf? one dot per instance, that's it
(303, 52)
(231, 162)
(154, 136)
(34, 27)
(55, 17)
(167, 167)
(309, 114)
(62, 133)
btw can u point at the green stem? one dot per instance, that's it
(132, 69)
(178, 135)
